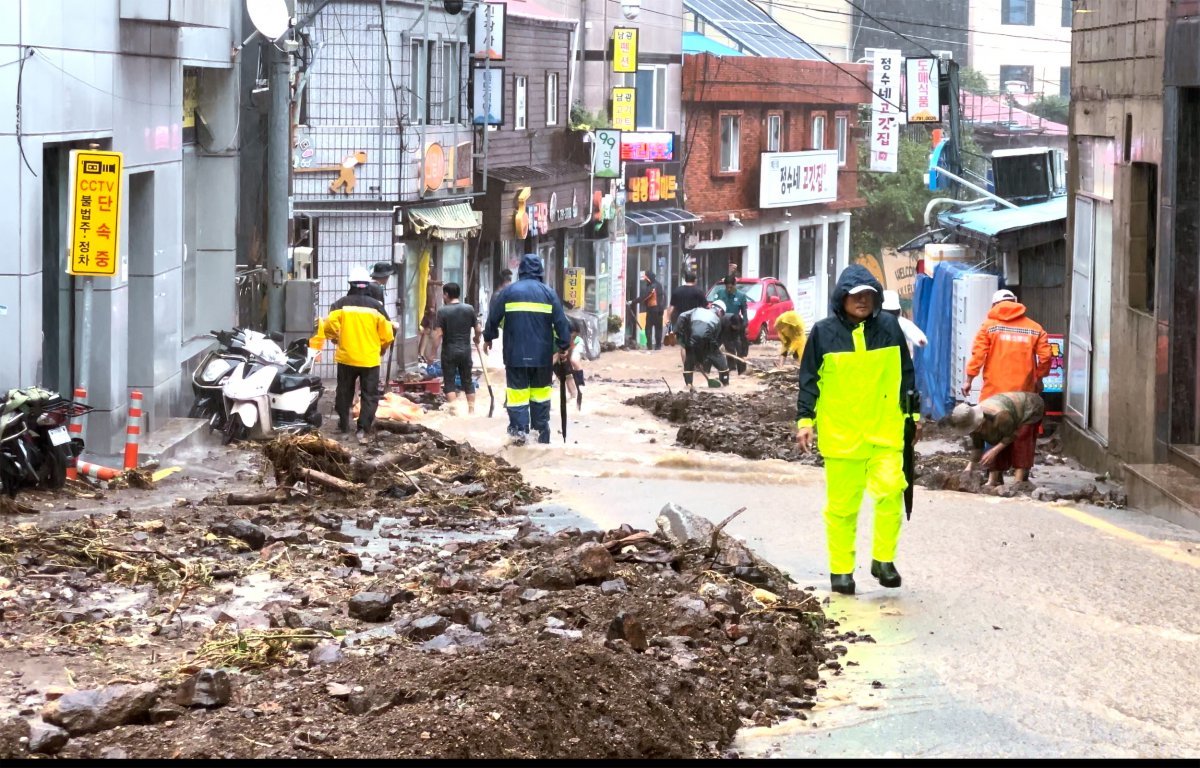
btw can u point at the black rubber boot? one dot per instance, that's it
(886, 573)
(842, 582)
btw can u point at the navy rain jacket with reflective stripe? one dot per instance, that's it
(532, 317)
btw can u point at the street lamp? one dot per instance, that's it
(631, 8)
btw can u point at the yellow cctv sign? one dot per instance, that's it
(95, 213)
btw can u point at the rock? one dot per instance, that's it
(78, 617)
(164, 711)
(244, 618)
(428, 627)
(452, 639)
(552, 578)
(455, 582)
(682, 528)
(339, 537)
(479, 622)
(791, 684)
(473, 489)
(553, 622)
(330, 522)
(614, 587)
(207, 688)
(566, 634)
(324, 654)
(532, 595)
(591, 562)
(14, 735)
(243, 530)
(305, 620)
(339, 690)
(46, 739)
(114, 753)
(370, 606)
(361, 638)
(367, 520)
(510, 594)
(625, 626)
(99, 709)
(289, 536)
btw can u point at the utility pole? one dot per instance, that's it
(278, 189)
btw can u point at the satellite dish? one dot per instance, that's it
(270, 17)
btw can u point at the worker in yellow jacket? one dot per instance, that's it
(790, 327)
(855, 377)
(358, 324)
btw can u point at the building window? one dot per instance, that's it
(447, 64)
(774, 132)
(769, 251)
(1017, 12)
(806, 252)
(651, 84)
(1143, 232)
(551, 98)
(841, 129)
(418, 83)
(1064, 82)
(1016, 79)
(731, 145)
(818, 132)
(520, 97)
(1066, 11)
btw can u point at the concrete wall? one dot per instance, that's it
(1117, 61)
(88, 75)
(1046, 46)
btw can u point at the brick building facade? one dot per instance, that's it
(796, 121)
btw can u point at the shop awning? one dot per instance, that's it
(456, 221)
(660, 216)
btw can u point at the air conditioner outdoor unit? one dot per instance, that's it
(302, 259)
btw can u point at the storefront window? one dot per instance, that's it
(807, 252)
(452, 262)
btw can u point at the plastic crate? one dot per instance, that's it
(432, 386)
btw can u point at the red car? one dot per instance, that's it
(767, 299)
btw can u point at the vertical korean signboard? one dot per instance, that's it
(606, 160)
(95, 213)
(624, 109)
(573, 279)
(885, 130)
(625, 49)
(921, 81)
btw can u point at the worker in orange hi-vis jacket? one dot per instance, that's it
(1010, 350)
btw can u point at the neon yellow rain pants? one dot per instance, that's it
(881, 475)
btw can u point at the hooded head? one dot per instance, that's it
(1005, 306)
(853, 277)
(531, 268)
(718, 306)
(649, 276)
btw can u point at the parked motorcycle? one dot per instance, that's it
(35, 447)
(214, 370)
(266, 395)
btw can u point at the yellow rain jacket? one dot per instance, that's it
(790, 327)
(359, 326)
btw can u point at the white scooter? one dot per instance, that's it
(263, 397)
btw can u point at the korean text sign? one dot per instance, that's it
(625, 49)
(606, 162)
(921, 79)
(885, 130)
(798, 178)
(95, 213)
(624, 109)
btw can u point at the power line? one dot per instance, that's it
(898, 32)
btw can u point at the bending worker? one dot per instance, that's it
(536, 336)
(854, 377)
(1008, 423)
(699, 333)
(790, 327)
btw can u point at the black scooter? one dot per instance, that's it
(35, 446)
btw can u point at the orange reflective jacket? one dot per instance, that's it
(1011, 351)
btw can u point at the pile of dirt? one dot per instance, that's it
(759, 426)
(396, 617)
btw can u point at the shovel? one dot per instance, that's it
(487, 380)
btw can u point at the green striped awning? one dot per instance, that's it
(456, 221)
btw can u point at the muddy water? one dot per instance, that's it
(1022, 629)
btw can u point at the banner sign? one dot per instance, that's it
(885, 130)
(606, 159)
(95, 183)
(921, 81)
(625, 49)
(624, 108)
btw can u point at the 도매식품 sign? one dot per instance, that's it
(95, 212)
(798, 178)
(921, 80)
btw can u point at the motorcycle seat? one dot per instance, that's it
(287, 382)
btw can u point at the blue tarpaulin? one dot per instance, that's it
(933, 312)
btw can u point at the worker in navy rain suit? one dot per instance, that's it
(536, 335)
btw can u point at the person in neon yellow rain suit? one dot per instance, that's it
(790, 327)
(854, 375)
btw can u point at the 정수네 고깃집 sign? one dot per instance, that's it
(885, 130)
(95, 213)
(921, 79)
(625, 49)
(798, 178)
(624, 109)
